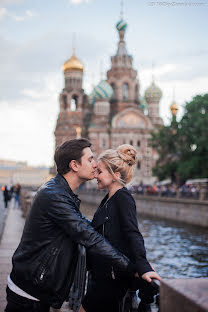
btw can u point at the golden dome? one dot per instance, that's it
(174, 108)
(73, 64)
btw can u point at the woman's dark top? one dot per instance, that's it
(116, 220)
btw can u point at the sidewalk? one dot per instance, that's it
(9, 242)
(3, 213)
(10, 239)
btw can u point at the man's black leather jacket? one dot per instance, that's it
(45, 260)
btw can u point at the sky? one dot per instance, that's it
(167, 39)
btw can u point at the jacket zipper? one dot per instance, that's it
(44, 269)
(42, 275)
(112, 271)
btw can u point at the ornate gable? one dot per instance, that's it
(131, 118)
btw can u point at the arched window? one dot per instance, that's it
(114, 90)
(131, 142)
(65, 101)
(103, 143)
(125, 91)
(74, 103)
(136, 95)
(138, 143)
(138, 165)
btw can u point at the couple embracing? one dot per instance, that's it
(45, 260)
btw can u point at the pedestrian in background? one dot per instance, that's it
(6, 196)
(17, 189)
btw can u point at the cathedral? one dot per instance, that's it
(114, 113)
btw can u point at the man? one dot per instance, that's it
(45, 260)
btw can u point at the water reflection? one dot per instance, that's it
(175, 250)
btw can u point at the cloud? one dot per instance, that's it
(32, 122)
(17, 18)
(182, 93)
(77, 2)
(8, 2)
(177, 79)
(32, 60)
(3, 12)
(30, 13)
(31, 79)
(20, 18)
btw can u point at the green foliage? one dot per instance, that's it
(183, 146)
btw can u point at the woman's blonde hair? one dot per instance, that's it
(120, 160)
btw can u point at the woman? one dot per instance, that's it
(116, 219)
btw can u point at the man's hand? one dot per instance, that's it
(148, 276)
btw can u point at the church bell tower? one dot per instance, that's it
(73, 102)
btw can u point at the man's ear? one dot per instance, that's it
(73, 165)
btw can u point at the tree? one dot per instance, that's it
(164, 141)
(183, 146)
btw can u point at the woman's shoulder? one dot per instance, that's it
(124, 194)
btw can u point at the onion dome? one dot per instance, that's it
(121, 25)
(102, 91)
(174, 108)
(153, 93)
(73, 64)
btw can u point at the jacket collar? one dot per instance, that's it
(101, 215)
(61, 180)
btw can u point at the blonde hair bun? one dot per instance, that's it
(128, 153)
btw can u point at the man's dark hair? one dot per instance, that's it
(68, 151)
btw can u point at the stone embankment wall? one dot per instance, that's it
(188, 211)
(184, 295)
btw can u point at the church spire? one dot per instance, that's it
(153, 76)
(73, 43)
(121, 12)
(121, 27)
(101, 71)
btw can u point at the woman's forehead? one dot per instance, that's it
(101, 164)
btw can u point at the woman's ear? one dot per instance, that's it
(73, 165)
(118, 175)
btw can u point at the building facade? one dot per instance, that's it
(114, 113)
(13, 172)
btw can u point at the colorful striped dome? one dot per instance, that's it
(153, 93)
(102, 91)
(121, 25)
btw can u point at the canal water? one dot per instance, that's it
(175, 250)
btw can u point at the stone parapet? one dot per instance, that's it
(188, 211)
(26, 198)
(184, 295)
